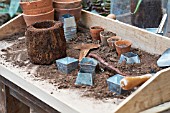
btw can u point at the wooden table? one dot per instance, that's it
(18, 95)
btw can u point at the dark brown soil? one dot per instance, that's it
(100, 89)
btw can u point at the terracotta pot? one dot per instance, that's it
(76, 12)
(35, 4)
(38, 10)
(104, 35)
(95, 32)
(30, 19)
(112, 40)
(122, 46)
(66, 4)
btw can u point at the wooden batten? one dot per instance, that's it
(142, 39)
(13, 26)
(159, 109)
(2, 98)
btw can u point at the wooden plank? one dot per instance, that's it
(13, 26)
(161, 108)
(153, 92)
(2, 98)
(15, 106)
(25, 99)
(142, 39)
(167, 28)
(43, 97)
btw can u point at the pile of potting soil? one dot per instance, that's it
(17, 55)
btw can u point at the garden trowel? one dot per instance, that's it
(85, 48)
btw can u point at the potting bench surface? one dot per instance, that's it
(44, 97)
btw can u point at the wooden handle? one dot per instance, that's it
(128, 83)
(112, 16)
(83, 53)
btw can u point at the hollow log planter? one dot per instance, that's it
(45, 42)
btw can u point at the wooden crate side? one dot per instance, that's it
(142, 39)
(160, 108)
(15, 25)
(152, 93)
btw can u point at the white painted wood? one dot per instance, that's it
(35, 91)
(158, 109)
(15, 25)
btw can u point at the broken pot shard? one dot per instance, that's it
(164, 60)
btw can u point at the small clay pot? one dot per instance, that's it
(35, 4)
(122, 46)
(104, 35)
(38, 10)
(30, 19)
(95, 32)
(66, 4)
(112, 40)
(76, 12)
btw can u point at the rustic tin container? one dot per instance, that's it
(129, 58)
(88, 65)
(114, 84)
(66, 65)
(85, 78)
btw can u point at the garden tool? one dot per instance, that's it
(85, 48)
(164, 60)
(130, 82)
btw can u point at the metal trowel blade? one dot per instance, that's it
(164, 60)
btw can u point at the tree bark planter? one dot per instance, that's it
(30, 19)
(66, 4)
(76, 12)
(122, 46)
(104, 35)
(95, 32)
(45, 42)
(112, 40)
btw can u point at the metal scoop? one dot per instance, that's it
(164, 60)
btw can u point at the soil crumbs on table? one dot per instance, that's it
(17, 55)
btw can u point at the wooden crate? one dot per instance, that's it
(152, 93)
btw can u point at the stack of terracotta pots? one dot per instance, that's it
(37, 11)
(72, 7)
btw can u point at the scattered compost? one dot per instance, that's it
(17, 55)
